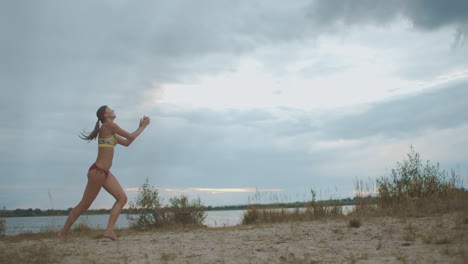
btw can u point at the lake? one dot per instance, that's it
(36, 224)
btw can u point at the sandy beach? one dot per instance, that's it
(436, 239)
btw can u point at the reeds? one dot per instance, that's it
(276, 213)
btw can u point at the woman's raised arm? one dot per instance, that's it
(125, 138)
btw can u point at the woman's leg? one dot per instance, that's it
(95, 181)
(113, 187)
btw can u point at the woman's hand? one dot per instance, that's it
(145, 121)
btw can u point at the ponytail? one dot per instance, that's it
(100, 115)
(91, 135)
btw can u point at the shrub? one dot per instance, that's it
(2, 226)
(147, 211)
(183, 212)
(411, 179)
(412, 188)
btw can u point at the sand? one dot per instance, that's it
(437, 239)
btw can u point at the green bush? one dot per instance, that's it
(183, 212)
(412, 179)
(147, 211)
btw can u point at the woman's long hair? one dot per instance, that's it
(100, 115)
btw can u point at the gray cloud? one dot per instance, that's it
(424, 15)
(431, 110)
(106, 51)
(441, 107)
(427, 15)
(79, 48)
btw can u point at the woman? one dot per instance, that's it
(110, 134)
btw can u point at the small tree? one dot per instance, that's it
(147, 208)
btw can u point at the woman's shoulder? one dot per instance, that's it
(110, 125)
(107, 129)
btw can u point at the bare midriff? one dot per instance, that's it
(105, 157)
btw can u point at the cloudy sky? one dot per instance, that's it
(274, 96)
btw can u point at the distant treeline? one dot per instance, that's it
(345, 201)
(53, 212)
(48, 212)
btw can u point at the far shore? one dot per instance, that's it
(61, 212)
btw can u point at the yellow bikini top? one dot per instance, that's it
(109, 142)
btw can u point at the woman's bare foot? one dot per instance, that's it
(62, 237)
(111, 235)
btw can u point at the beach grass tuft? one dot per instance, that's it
(354, 223)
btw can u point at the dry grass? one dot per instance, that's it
(273, 213)
(35, 253)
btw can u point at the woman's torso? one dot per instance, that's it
(106, 143)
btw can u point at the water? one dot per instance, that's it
(35, 224)
(18, 225)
